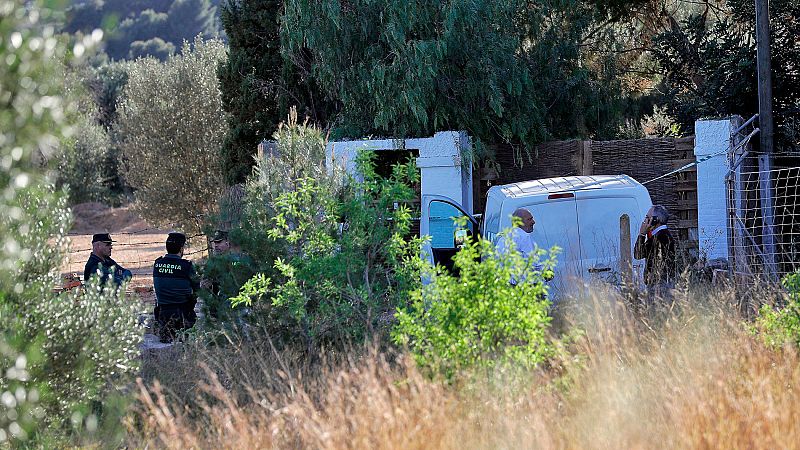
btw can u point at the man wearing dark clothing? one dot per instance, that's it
(101, 264)
(223, 274)
(175, 285)
(656, 246)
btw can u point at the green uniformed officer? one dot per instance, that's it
(223, 275)
(175, 284)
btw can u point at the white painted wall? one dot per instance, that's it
(442, 170)
(713, 136)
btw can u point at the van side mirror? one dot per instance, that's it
(460, 237)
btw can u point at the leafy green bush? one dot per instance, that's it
(226, 273)
(88, 159)
(88, 339)
(341, 262)
(65, 350)
(300, 154)
(478, 319)
(19, 395)
(93, 345)
(778, 326)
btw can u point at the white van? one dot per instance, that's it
(593, 219)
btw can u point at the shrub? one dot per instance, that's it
(19, 408)
(90, 159)
(779, 326)
(68, 352)
(660, 124)
(228, 272)
(88, 340)
(342, 263)
(83, 165)
(478, 319)
(92, 347)
(249, 212)
(299, 154)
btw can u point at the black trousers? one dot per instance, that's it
(172, 319)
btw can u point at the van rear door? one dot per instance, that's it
(607, 226)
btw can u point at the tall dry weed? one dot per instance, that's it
(687, 375)
(684, 376)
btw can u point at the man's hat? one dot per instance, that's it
(102, 237)
(219, 236)
(176, 238)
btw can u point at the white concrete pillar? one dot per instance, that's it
(443, 169)
(713, 137)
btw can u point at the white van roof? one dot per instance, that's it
(567, 184)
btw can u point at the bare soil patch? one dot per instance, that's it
(136, 248)
(93, 217)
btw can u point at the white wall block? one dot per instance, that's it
(712, 136)
(442, 170)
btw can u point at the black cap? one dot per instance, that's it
(176, 238)
(102, 237)
(219, 236)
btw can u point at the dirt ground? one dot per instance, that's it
(136, 248)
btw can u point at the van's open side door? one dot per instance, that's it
(440, 222)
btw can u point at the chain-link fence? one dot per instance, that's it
(752, 250)
(763, 206)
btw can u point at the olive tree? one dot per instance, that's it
(171, 126)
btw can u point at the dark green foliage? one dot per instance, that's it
(105, 84)
(86, 165)
(89, 160)
(710, 63)
(260, 83)
(617, 9)
(249, 81)
(144, 27)
(226, 274)
(503, 71)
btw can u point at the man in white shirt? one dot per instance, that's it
(520, 234)
(521, 237)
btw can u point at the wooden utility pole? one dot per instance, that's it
(766, 133)
(764, 76)
(625, 259)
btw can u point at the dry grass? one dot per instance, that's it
(685, 377)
